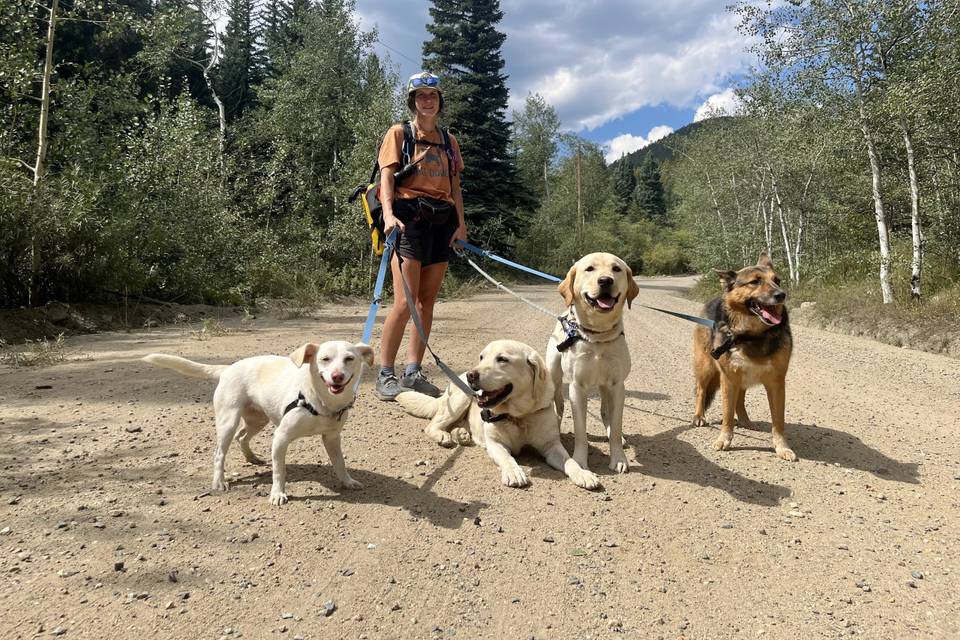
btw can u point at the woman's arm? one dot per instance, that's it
(387, 184)
(461, 232)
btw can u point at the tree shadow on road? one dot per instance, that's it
(419, 501)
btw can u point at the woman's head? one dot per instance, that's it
(423, 94)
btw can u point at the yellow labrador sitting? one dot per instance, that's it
(301, 400)
(588, 348)
(513, 409)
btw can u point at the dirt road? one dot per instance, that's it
(107, 529)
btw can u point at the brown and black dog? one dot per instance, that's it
(750, 344)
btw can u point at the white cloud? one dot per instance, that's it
(627, 143)
(594, 62)
(719, 104)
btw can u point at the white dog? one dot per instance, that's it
(588, 348)
(514, 410)
(299, 400)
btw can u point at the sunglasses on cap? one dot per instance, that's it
(428, 81)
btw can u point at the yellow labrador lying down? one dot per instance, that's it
(301, 400)
(514, 408)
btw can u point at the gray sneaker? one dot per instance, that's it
(416, 381)
(388, 388)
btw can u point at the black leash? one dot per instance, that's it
(412, 306)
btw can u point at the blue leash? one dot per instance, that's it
(377, 299)
(378, 288)
(487, 254)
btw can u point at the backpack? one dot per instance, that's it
(370, 201)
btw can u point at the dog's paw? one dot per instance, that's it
(462, 436)
(514, 477)
(219, 484)
(700, 421)
(786, 453)
(585, 479)
(441, 437)
(618, 464)
(350, 483)
(278, 498)
(723, 442)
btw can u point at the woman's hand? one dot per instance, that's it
(459, 234)
(390, 222)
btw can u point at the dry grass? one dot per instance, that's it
(38, 353)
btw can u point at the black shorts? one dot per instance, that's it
(424, 240)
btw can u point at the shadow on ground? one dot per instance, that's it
(420, 501)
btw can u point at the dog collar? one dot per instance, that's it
(574, 332)
(301, 403)
(488, 416)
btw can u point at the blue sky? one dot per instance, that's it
(619, 72)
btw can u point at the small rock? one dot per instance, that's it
(918, 575)
(170, 605)
(371, 546)
(118, 565)
(328, 608)
(133, 428)
(796, 514)
(347, 573)
(548, 539)
(843, 547)
(727, 525)
(911, 584)
(66, 573)
(286, 615)
(99, 525)
(14, 500)
(6, 531)
(59, 631)
(395, 607)
(172, 576)
(574, 580)
(116, 513)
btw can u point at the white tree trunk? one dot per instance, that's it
(916, 263)
(883, 233)
(33, 292)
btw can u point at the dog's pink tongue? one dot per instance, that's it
(606, 303)
(769, 316)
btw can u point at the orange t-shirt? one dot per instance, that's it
(432, 174)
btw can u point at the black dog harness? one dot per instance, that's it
(574, 333)
(301, 403)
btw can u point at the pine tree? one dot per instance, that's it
(239, 70)
(465, 53)
(282, 36)
(649, 195)
(624, 183)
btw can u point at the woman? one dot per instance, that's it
(427, 208)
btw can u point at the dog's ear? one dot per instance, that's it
(727, 278)
(366, 352)
(539, 370)
(566, 287)
(764, 260)
(633, 289)
(304, 353)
